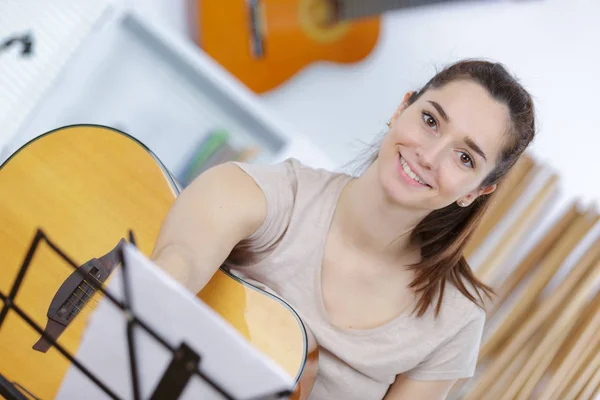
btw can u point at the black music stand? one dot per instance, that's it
(184, 364)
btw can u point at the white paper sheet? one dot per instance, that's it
(176, 315)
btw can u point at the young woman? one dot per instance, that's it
(373, 264)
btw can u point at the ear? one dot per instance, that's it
(407, 96)
(473, 195)
(402, 106)
(488, 190)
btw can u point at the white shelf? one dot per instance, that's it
(133, 74)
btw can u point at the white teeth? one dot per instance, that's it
(410, 173)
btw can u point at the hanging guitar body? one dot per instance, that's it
(265, 42)
(86, 187)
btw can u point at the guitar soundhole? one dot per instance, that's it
(77, 300)
(319, 21)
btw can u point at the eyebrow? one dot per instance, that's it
(440, 110)
(468, 140)
(475, 147)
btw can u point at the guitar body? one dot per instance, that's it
(265, 42)
(86, 187)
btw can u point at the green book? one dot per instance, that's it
(209, 145)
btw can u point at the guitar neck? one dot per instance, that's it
(355, 9)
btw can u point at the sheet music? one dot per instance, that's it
(176, 315)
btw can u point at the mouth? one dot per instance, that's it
(409, 175)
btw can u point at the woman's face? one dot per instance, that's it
(448, 141)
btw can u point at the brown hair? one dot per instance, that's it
(443, 234)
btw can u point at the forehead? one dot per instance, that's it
(473, 113)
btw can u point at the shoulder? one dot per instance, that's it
(458, 310)
(287, 175)
(455, 335)
(219, 189)
(461, 310)
(227, 181)
(286, 187)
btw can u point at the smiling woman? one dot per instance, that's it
(460, 135)
(373, 263)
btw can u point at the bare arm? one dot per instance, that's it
(217, 210)
(404, 388)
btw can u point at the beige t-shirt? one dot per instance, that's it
(286, 253)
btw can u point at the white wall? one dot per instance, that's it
(551, 45)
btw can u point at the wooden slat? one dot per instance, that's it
(506, 195)
(596, 392)
(462, 388)
(583, 378)
(533, 258)
(576, 346)
(541, 277)
(530, 326)
(513, 369)
(514, 235)
(589, 389)
(524, 384)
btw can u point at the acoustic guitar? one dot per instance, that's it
(265, 42)
(86, 187)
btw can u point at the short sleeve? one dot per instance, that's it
(455, 358)
(278, 183)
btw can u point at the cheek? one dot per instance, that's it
(408, 134)
(454, 183)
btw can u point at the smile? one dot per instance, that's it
(409, 173)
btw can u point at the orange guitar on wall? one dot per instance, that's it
(265, 42)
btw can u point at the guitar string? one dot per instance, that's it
(90, 296)
(75, 307)
(70, 304)
(94, 293)
(70, 301)
(85, 304)
(83, 300)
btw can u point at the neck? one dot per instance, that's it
(354, 9)
(368, 220)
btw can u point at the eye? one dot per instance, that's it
(429, 120)
(466, 159)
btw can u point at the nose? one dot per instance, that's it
(429, 155)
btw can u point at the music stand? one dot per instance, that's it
(185, 368)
